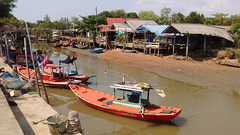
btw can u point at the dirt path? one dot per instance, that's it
(205, 74)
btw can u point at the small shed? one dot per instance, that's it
(191, 31)
(156, 30)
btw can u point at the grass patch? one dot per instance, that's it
(236, 51)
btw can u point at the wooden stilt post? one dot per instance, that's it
(45, 92)
(204, 44)
(7, 47)
(145, 42)
(187, 46)
(174, 43)
(1, 43)
(33, 61)
(26, 58)
(133, 48)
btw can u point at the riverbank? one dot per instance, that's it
(27, 116)
(206, 74)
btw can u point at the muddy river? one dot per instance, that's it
(204, 112)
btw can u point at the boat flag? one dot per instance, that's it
(160, 93)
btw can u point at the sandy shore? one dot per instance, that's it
(205, 74)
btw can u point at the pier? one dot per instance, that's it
(27, 117)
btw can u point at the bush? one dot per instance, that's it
(236, 52)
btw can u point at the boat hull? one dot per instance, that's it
(82, 77)
(96, 50)
(128, 112)
(46, 79)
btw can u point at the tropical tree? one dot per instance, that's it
(62, 24)
(11, 19)
(132, 15)
(88, 23)
(148, 15)
(102, 17)
(120, 13)
(195, 17)
(220, 19)
(177, 18)
(45, 23)
(6, 7)
(209, 21)
(165, 16)
(235, 29)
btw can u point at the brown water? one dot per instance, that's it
(204, 112)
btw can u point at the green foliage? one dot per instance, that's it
(88, 23)
(235, 30)
(209, 21)
(6, 7)
(12, 20)
(165, 16)
(177, 18)
(148, 15)
(119, 37)
(118, 13)
(236, 52)
(102, 17)
(220, 19)
(237, 55)
(45, 23)
(132, 15)
(195, 17)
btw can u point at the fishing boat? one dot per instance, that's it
(71, 74)
(96, 50)
(79, 46)
(37, 55)
(130, 104)
(63, 70)
(49, 80)
(65, 43)
(58, 44)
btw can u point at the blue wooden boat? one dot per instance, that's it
(96, 50)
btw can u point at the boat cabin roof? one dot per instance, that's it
(132, 86)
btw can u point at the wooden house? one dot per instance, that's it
(200, 37)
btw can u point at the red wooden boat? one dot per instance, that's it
(53, 80)
(59, 69)
(131, 105)
(65, 43)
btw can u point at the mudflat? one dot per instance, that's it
(206, 74)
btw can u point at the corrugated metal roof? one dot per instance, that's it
(200, 29)
(157, 29)
(134, 24)
(121, 27)
(110, 20)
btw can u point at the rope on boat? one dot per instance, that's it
(120, 74)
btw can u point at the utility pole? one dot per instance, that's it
(96, 19)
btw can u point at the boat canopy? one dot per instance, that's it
(132, 86)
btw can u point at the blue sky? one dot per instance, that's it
(33, 10)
